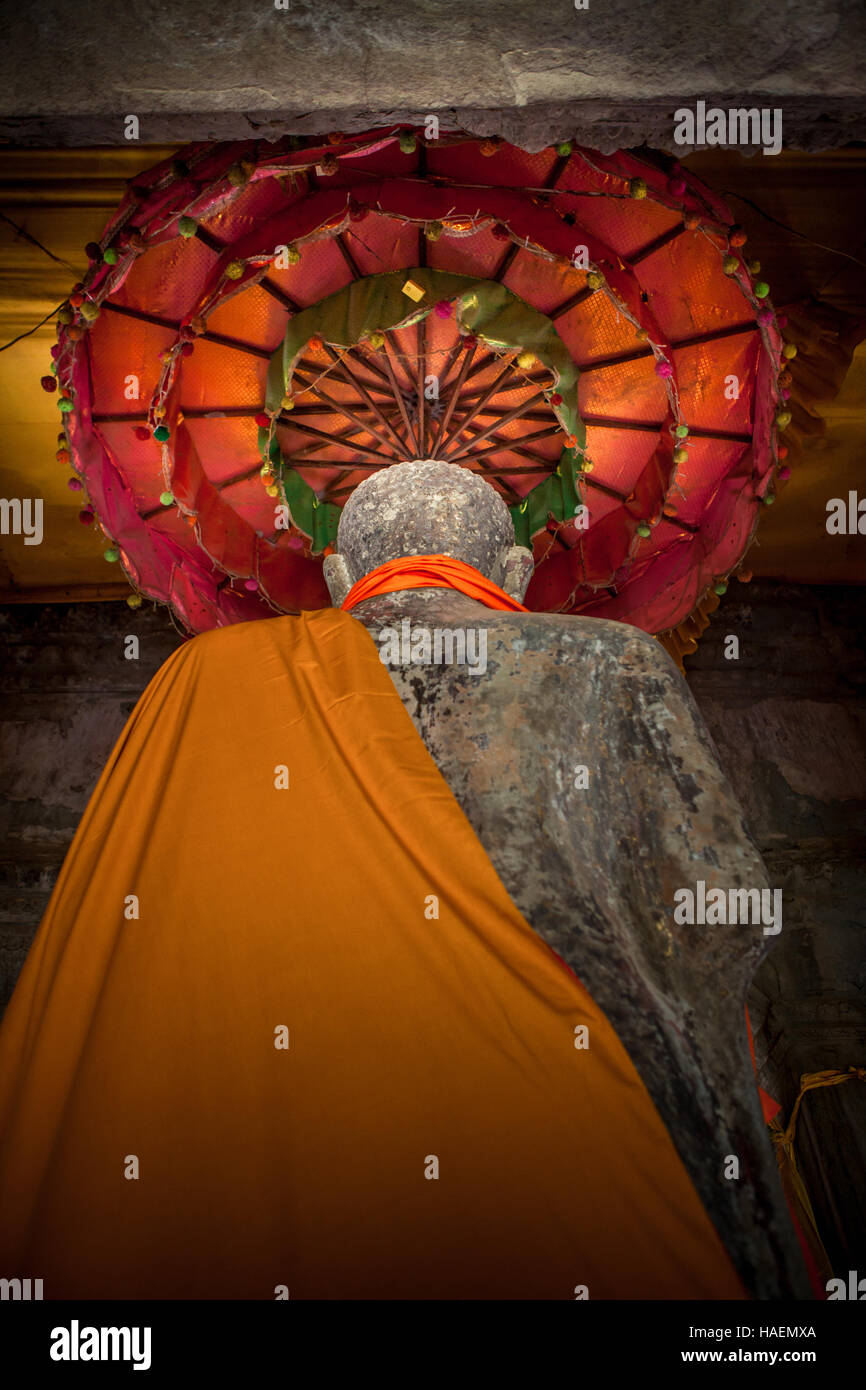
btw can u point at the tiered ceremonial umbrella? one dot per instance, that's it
(264, 325)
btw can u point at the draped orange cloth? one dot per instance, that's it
(282, 1026)
(431, 572)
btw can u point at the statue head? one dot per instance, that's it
(427, 507)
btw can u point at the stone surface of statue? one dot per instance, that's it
(577, 754)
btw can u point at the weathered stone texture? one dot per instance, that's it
(610, 75)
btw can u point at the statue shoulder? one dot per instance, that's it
(573, 638)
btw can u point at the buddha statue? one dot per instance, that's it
(582, 763)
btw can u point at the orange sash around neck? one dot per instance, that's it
(431, 572)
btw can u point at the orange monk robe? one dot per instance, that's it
(431, 1130)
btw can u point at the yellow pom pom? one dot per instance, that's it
(637, 188)
(89, 311)
(235, 269)
(134, 601)
(375, 340)
(681, 455)
(272, 491)
(789, 350)
(287, 403)
(526, 360)
(594, 280)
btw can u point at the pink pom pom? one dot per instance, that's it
(251, 584)
(443, 309)
(55, 350)
(664, 369)
(677, 187)
(786, 395)
(784, 473)
(85, 516)
(765, 317)
(74, 484)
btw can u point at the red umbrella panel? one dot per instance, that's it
(264, 325)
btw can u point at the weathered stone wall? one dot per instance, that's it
(609, 73)
(788, 717)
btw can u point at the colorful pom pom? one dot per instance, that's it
(162, 433)
(681, 455)
(93, 251)
(782, 451)
(442, 309)
(691, 221)
(556, 398)
(65, 314)
(637, 188)
(500, 232)
(721, 587)
(109, 255)
(594, 280)
(316, 343)
(63, 456)
(526, 360)
(789, 351)
(643, 529)
(187, 226)
(730, 265)
(187, 349)
(89, 311)
(408, 143)
(48, 383)
(563, 149)
(263, 421)
(571, 441)
(330, 164)
(287, 403)
(488, 147)
(134, 601)
(235, 269)
(761, 289)
(357, 211)
(141, 432)
(65, 405)
(677, 187)
(768, 499)
(736, 236)
(293, 254)
(111, 555)
(765, 318)
(664, 369)
(237, 175)
(85, 516)
(251, 585)
(753, 267)
(783, 419)
(166, 498)
(784, 473)
(272, 490)
(74, 484)
(375, 340)
(682, 431)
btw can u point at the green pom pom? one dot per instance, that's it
(109, 255)
(65, 405)
(111, 555)
(637, 188)
(293, 255)
(166, 498)
(768, 499)
(761, 288)
(721, 587)
(682, 431)
(564, 149)
(162, 433)
(408, 143)
(187, 226)
(643, 529)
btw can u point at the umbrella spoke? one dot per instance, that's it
(452, 400)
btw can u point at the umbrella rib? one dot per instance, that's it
(505, 420)
(452, 401)
(214, 244)
(348, 411)
(422, 372)
(486, 396)
(502, 446)
(348, 375)
(321, 434)
(398, 397)
(656, 244)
